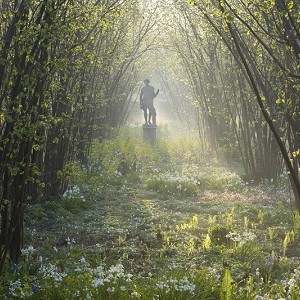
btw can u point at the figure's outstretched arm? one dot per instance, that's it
(157, 92)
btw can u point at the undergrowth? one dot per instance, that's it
(143, 222)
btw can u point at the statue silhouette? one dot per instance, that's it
(146, 102)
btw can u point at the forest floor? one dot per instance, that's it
(159, 235)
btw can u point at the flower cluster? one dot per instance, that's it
(80, 282)
(28, 251)
(214, 272)
(14, 287)
(52, 272)
(112, 275)
(292, 284)
(241, 238)
(181, 285)
(213, 178)
(74, 192)
(173, 183)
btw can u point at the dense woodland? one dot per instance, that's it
(70, 73)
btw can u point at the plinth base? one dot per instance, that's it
(149, 133)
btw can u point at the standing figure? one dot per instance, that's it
(146, 102)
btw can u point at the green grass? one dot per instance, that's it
(138, 236)
(158, 237)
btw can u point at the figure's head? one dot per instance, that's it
(146, 81)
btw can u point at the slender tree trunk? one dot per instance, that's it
(293, 173)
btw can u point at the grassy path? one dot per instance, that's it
(160, 239)
(133, 224)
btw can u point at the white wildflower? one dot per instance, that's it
(111, 289)
(27, 251)
(97, 282)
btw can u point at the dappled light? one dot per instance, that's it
(150, 150)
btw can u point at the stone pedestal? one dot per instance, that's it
(149, 133)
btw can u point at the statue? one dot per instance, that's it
(146, 102)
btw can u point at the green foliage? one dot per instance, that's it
(74, 204)
(218, 234)
(207, 242)
(289, 238)
(227, 286)
(272, 232)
